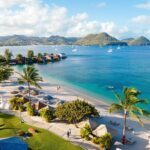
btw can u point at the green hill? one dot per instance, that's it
(140, 41)
(99, 39)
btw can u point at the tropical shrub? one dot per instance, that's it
(30, 109)
(16, 103)
(96, 140)
(85, 132)
(21, 108)
(47, 114)
(87, 138)
(105, 141)
(75, 111)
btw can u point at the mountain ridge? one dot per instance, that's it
(91, 39)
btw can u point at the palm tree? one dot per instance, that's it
(31, 77)
(5, 72)
(129, 104)
(8, 55)
(19, 58)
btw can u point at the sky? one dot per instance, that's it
(75, 18)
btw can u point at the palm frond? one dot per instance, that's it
(115, 108)
(118, 97)
(136, 109)
(136, 117)
(141, 101)
(146, 113)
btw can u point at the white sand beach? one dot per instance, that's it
(138, 134)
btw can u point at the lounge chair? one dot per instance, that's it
(129, 129)
(130, 141)
(114, 123)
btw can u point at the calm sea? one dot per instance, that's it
(94, 70)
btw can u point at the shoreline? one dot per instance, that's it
(68, 94)
(100, 104)
(97, 102)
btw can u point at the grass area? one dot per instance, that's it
(43, 140)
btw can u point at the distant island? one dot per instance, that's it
(102, 39)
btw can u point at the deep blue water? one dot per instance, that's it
(92, 69)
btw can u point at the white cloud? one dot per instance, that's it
(145, 5)
(32, 17)
(102, 4)
(112, 28)
(142, 19)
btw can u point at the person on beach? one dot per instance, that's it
(58, 88)
(68, 134)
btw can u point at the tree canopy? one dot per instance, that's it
(75, 111)
(30, 54)
(47, 114)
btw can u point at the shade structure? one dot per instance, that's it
(12, 143)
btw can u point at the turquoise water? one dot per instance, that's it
(92, 69)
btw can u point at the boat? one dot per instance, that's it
(118, 47)
(110, 50)
(74, 50)
(110, 87)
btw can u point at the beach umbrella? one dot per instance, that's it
(47, 97)
(14, 92)
(41, 92)
(21, 88)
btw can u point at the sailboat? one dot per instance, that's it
(110, 50)
(118, 47)
(74, 50)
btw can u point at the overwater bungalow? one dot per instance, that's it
(62, 55)
(13, 62)
(44, 59)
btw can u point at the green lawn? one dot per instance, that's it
(43, 140)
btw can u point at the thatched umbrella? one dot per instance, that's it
(34, 92)
(14, 92)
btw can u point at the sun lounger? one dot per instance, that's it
(129, 129)
(130, 141)
(114, 123)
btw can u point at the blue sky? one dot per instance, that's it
(120, 11)
(121, 18)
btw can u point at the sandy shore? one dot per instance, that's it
(140, 134)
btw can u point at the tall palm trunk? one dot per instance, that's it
(29, 92)
(124, 127)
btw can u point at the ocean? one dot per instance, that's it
(95, 70)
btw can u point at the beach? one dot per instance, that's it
(140, 135)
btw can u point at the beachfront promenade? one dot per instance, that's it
(140, 135)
